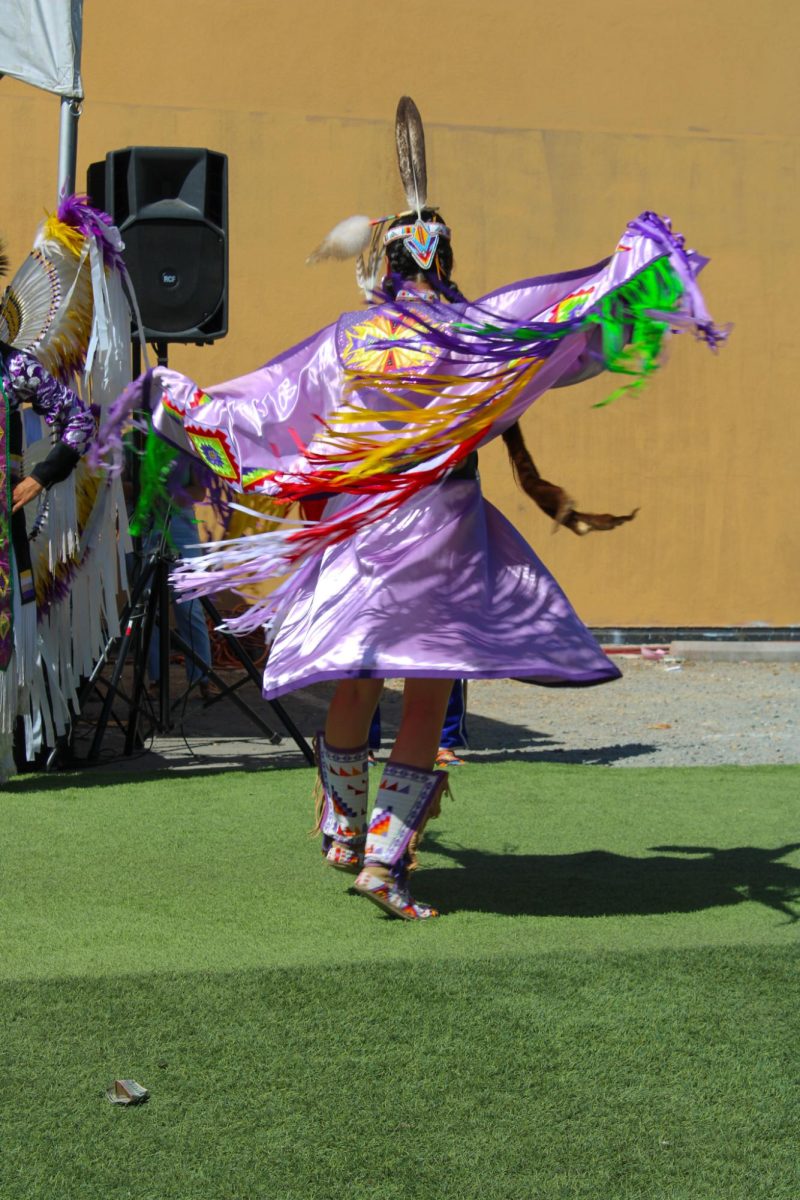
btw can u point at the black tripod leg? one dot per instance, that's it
(161, 586)
(139, 580)
(226, 692)
(126, 643)
(255, 675)
(89, 684)
(154, 602)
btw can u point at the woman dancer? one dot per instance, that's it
(409, 573)
(445, 578)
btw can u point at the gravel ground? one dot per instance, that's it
(661, 713)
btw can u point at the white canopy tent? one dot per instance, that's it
(40, 44)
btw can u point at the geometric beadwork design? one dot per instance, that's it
(381, 822)
(393, 898)
(420, 239)
(215, 451)
(395, 786)
(254, 477)
(404, 796)
(421, 244)
(342, 808)
(339, 855)
(27, 586)
(344, 776)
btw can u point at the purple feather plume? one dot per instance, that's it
(77, 212)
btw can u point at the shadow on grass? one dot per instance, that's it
(126, 773)
(597, 883)
(215, 762)
(589, 756)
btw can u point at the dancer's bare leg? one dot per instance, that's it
(351, 711)
(424, 707)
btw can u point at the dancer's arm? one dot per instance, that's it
(60, 407)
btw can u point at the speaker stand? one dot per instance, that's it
(150, 597)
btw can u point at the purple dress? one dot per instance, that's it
(445, 587)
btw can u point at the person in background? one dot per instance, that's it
(23, 380)
(182, 538)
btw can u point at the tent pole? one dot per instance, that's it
(68, 147)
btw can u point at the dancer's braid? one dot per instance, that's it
(524, 467)
(551, 498)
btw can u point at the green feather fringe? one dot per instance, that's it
(153, 504)
(632, 337)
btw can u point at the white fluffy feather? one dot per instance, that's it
(349, 238)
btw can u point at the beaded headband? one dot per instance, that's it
(420, 239)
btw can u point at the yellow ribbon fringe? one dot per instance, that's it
(427, 430)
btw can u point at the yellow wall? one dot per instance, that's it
(548, 127)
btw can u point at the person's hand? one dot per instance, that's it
(26, 490)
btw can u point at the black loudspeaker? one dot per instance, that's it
(171, 207)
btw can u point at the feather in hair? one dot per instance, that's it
(361, 277)
(368, 274)
(410, 138)
(349, 238)
(375, 261)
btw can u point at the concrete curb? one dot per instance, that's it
(721, 651)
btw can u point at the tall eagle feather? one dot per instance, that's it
(410, 137)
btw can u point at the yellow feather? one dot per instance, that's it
(70, 238)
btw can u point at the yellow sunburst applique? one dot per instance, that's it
(367, 347)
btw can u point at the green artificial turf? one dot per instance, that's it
(607, 1010)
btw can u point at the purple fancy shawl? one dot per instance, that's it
(386, 401)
